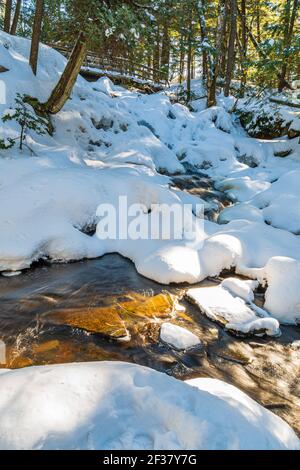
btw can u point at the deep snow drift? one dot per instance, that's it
(110, 142)
(112, 405)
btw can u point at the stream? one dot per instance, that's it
(102, 309)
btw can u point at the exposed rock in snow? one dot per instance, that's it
(111, 405)
(178, 337)
(220, 305)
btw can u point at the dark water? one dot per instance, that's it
(32, 338)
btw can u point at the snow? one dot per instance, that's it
(240, 211)
(282, 298)
(239, 288)
(280, 203)
(178, 337)
(110, 142)
(220, 305)
(111, 405)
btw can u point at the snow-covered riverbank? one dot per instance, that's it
(112, 405)
(110, 142)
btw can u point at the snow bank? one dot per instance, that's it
(178, 337)
(282, 298)
(111, 405)
(280, 203)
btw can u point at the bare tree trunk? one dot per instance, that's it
(63, 89)
(243, 46)
(181, 60)
(290, 19)
(165, 52)
(156, 57)
(258, 20)
(224, 40)
(36, 35)
(231, 46)
(14, 26)
(203, 38)
(7, 15)
(189, 64)
(215, 61)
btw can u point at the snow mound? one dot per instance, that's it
(282, 298)
(123, 406)
(178, 337)
(239, 288)
(220, 305)
(280, 203)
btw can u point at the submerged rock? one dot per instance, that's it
(117, 319)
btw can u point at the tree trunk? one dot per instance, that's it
(258, 20)
(165, 53)
(181, 60)
(189, 60)
(156, 57)
(36, 35)
(224, 40)
(215, 61)
(14, 26)
(231, 46)
(243, 47)
(63, 89)
(290, 18)
(7, 16)
(203, 38)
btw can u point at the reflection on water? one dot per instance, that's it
(93, 310)
(104, 310)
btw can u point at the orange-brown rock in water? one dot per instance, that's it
(115, 320)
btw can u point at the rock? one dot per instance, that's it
(46, 347)
(115, 320)
(20, 362)
(105, 321)
(283, 153)
(3, 69)
(178, 337)
(292, 133)
(263, 125)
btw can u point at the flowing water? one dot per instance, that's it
(103, 309)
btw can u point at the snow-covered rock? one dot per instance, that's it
(240, 211)
(220, 305)
(240, 288)
(111, 405)
(178, 337)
